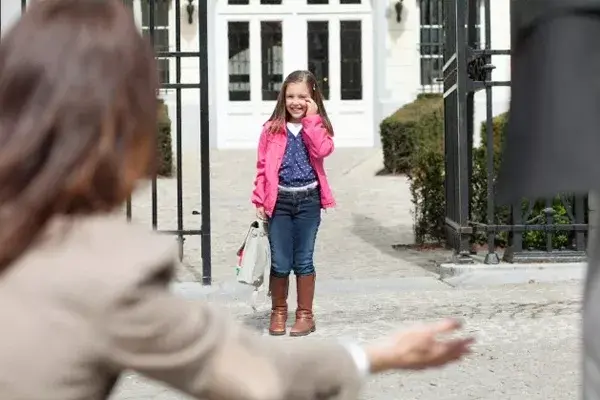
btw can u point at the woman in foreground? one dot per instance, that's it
(84, 295)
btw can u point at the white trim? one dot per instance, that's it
(335, 73)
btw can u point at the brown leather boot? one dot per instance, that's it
(279, 309)
(305, 323)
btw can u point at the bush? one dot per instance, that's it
(427, 186)
(402, 133)
(164, 142)
(428, 196)
(532, 240)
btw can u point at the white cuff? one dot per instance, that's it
(359, 355)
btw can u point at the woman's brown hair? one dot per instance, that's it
(280, 115)
(77, 115)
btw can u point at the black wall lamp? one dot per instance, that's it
(190, 11)
(399, 6)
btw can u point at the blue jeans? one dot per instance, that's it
(292, 232)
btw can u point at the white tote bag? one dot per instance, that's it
(254, 260)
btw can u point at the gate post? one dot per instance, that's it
(204, 143)
(456, 130)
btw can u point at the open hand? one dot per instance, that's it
(419, 348)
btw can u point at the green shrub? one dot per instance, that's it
(164, 142)
(402, 133)
(534, 213)
(428, 196)
(427, 187)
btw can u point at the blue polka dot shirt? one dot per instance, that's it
(296, 170)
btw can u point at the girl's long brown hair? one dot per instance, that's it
(77, 115)
(280, 115)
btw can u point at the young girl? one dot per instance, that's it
(290, 190)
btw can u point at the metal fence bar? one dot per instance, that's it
(154, 189)
(205, 144)
(179, 128)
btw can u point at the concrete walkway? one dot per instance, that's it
(528, 338)
(527, 333)
(355, 240)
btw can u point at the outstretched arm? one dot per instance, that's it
(194, 348)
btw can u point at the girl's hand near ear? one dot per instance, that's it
(311, 107)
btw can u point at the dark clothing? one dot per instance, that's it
(553, 136)
(296, 170)
(293, 231)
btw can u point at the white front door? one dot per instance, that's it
(259, 44)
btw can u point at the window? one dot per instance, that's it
(238, 2)
(271, 59)
(157, 28)
(155, 25)
(275, 2)
(318, 53)
(313, 2)
(350, 1)
(351, 60)
(432, 41)
(238, 34)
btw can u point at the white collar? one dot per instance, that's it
(294, 127)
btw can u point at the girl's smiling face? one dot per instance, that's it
(296, 95)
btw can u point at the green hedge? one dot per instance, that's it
(422, 158)
(164, 142)
(414, 126)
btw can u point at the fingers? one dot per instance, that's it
(457, 350)
(445, 326)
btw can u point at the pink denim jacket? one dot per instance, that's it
(271, 148)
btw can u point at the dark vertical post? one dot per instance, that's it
(491, 257)
(462, 170)
(580, 219)
(151, 30)
(204, 142)
(179, 127)
(472, 43)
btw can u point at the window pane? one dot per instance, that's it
(161, 13)
(318, 53)
(432, 40)
(270, 1)
(351, 59)
(161, 38)
(431, 70)
(431, 12)
(271, 59)
(163, 70)
(350, 1)
(238, 2)
(239, 60)
(311, 2)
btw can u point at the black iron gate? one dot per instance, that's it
(552, 229)
(156, 26)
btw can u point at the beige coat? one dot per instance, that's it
(91, 300)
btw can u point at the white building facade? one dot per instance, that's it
(369, 60)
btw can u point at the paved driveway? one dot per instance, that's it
(527, 334)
